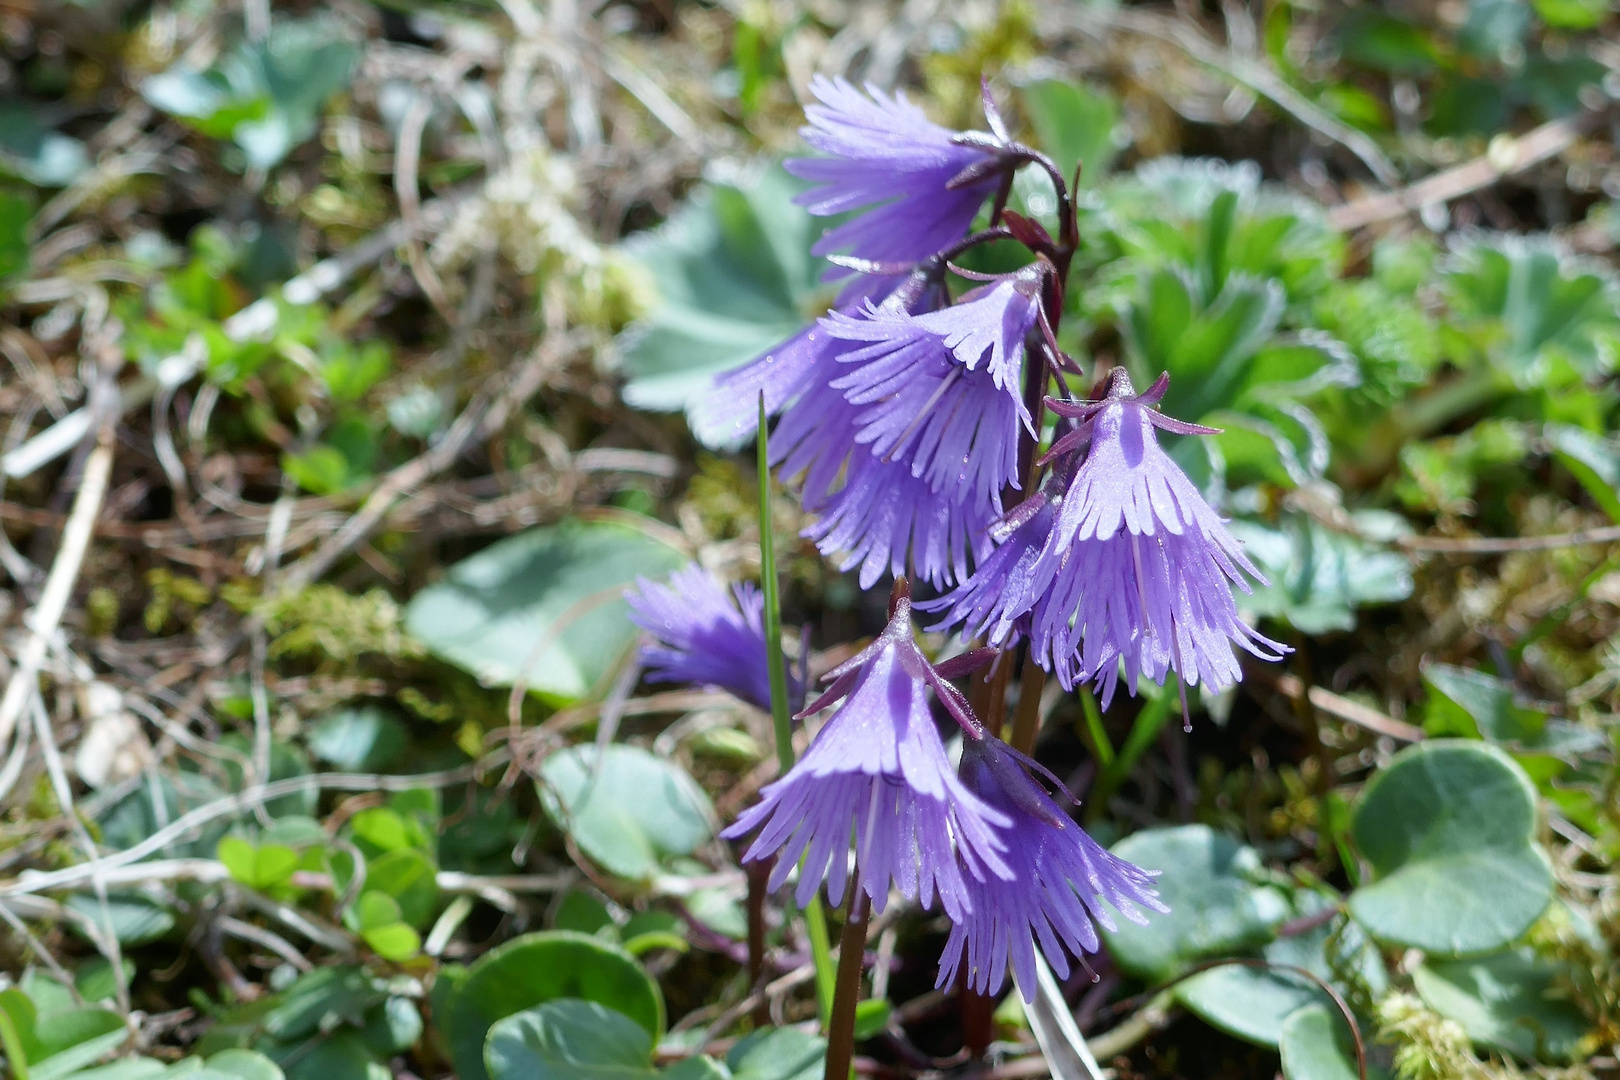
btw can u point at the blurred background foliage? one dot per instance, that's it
(361, 333)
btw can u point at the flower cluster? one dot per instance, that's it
(911, 415)
(1007, 865)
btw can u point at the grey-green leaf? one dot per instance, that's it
(548, 601)
(1508, 1002)
(1216, 905)
(625, 808)
(1447, 829)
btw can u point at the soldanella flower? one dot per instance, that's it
(877, 772)
(1138, 570)
(937, 412)
(1061, 881)
(884, 153)
(705, 636)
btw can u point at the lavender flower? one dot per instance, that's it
(1138, 568)
(935, 433)
(1059, 880)
(878, 770)
(704, 636)
(885, 151)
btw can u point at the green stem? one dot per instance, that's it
(1143, 731)
(781, 718)
(11, 1042)
(775, 664)
(1101, 747)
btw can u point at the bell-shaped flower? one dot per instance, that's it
(1060, 881)
(883, 152)
(704, 636)
(938, 408)
(877, 772)
(1138, 567)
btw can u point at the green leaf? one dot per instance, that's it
(342, 1055)
(1472, 703)
(266, 96)
(135, 919)
(735, 275)
(364, 739)
(1074, 123)
(491, 611)
(1254, 1003)
(1447, 828)
(258, 866)
(393, 1027)
(568, 1040)
(1510, 1002)
(33, 152)
(1594, 461)
(323, 1000)
(1318, 577)
(582, 912)
(778, 1054)
(393, 941)
(1316, 1045)
(872, 1017)
(135, 1068)
(15, 212)
(1209, 882)
(1530, 303)
(1572, 14)
(245, 1065)
(534, 969)
(1247, 1002)
(408, 877)
(626, 809)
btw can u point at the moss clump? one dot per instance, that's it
(324, 622)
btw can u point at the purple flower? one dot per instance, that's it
(1138, 567)
(996, 601)
(878, 770)
(884, 151)
(935, 432)
(705, 636)
(1059, 881)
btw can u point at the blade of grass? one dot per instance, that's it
(776, 666)
(1144, 730)
(1095, 735)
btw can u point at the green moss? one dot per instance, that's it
(324, 622)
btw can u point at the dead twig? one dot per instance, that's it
(1506, 157)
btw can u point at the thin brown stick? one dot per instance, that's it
(1337, 705)
(847, 992)
(1027, 720)
(1494, 545)
(1506, 157)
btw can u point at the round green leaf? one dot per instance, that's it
(1447, 830)
(628, 814)
(778, 1054)
(408, 877)
(1249, 1003)
(1215, 907)
(362, 739)
(558, 585)
(568, 1040)
(245, 1065)
(1506, 1002)
(534, 969)
(1316, 1045)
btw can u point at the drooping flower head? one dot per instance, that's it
(936, 407)
(886, 154)
(877, 771)
(1059, 884)
(704, 636)
(1138, 568)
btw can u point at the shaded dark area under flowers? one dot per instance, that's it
(384, 604)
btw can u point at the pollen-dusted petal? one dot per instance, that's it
(704, 635)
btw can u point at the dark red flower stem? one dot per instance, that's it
(847, 990)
